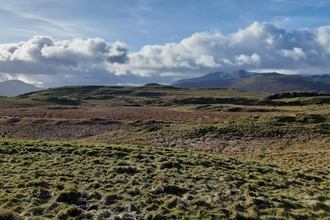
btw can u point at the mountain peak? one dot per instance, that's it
(217, 76)
(16, 87)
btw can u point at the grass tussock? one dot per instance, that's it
(66, 181)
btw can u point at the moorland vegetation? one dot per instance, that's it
(160, 152)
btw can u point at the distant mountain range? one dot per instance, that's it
(259, 82)
(244, 80)
(16, 87)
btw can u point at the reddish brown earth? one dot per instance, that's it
(76, 123)
(101, 125)
(124, 114)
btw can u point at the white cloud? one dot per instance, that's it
(322, 36)
(255, 31)
(244, 59)
(261, 46)
(43, 55)
(207, 61)
(281, 22)
(296, 53)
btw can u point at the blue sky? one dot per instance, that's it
(52, 43)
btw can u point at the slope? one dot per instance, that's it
(16, 87)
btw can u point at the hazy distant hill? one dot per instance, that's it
(258, 82)
(322, 78)
(222, 75)
(16, 87)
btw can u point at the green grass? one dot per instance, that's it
(6, 102)
(284, 176)
(300, 125)
(89, 181)
(158, 95)
(305, 100)
(155, 95)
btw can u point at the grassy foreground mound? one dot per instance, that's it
(83, 181)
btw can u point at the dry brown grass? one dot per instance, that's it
(7, 214)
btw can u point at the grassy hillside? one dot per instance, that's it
(151, 94)
(84, 181)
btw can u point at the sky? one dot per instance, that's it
(51, 43)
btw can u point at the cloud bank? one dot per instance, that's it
(56, 55)
(259, 47)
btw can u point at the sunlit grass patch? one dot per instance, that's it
(77, 180)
